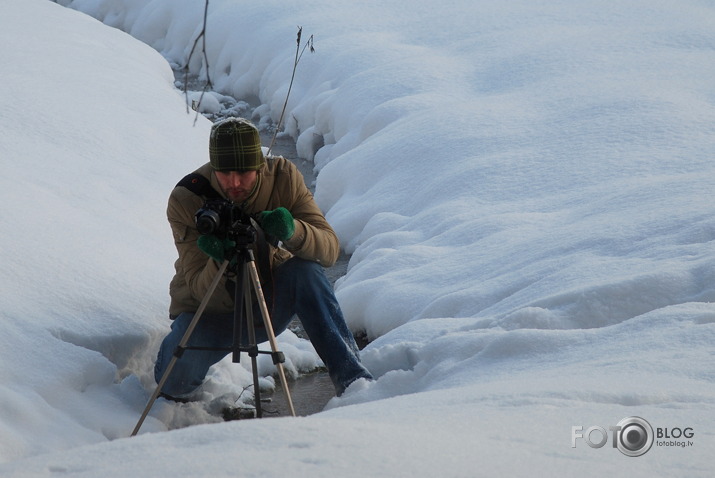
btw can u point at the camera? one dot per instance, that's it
(223, 219)
(213, 217)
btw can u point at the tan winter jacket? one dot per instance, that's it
(280, 184)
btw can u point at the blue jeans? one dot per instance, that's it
(299, 288)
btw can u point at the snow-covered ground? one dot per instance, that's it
(525, 188)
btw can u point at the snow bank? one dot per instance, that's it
(550, 150)
(92, 142)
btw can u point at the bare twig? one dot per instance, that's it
(242, 392)
(298, 55)
(208, 85)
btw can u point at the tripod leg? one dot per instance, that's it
(269, 330)
(182, 345)
(252, 342)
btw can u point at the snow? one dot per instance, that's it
(524, 188)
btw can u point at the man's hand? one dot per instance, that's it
(278, 222)
(214, 247)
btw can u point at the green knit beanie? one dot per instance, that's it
(235, 145)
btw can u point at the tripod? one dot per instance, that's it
(247, 281)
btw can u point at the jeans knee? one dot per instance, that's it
(298, 266)
(299, 278)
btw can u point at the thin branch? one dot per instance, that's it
(298, 56)
(208, 85)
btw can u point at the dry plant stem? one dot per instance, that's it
(208, 85)
(298, 56)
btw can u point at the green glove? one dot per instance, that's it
(214, 247)
(278, 223)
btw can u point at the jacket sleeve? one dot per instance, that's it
(196, 268)
(313, 239)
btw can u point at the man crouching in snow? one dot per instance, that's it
(292, 276)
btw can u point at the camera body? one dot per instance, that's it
(224, 219)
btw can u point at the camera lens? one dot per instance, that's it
(207, 221)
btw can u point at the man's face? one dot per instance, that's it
(237, 185)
